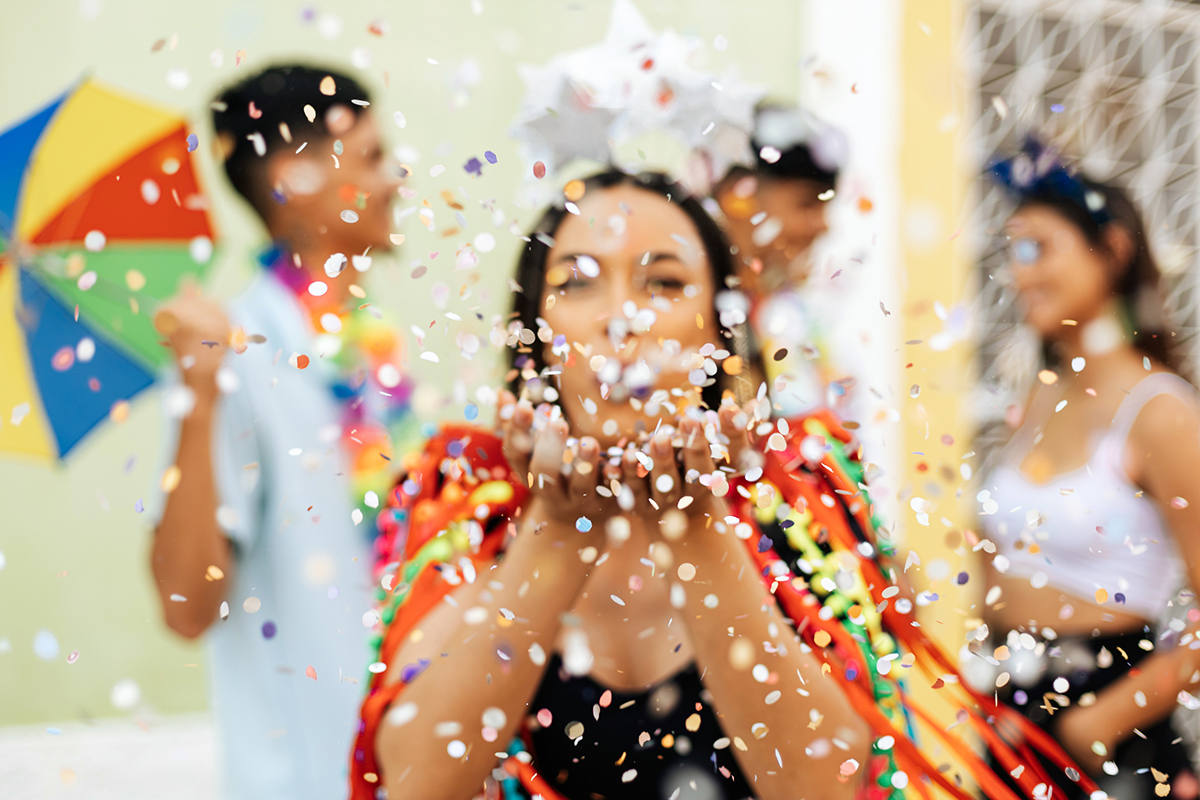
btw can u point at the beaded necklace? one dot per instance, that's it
(372, 391)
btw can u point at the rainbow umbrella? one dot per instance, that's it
(100, 216)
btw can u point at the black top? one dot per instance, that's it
(592, 766)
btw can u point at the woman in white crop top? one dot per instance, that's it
(1094, 507)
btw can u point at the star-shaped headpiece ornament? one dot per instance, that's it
(592, 102)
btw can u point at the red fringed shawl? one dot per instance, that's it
(453, 514)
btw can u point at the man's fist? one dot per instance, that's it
(198, 330)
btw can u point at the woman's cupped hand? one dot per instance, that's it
(664, 480)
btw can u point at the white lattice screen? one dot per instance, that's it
(1114, 85)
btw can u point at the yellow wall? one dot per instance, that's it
(79, 570)
(936, 269)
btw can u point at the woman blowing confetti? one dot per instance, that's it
(639, 585)
(1095, 504)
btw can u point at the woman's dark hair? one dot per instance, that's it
(531, 275)
(1137, 286)
(279, 95)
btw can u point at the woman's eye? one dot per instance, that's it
(664, 284)
(1025, 251)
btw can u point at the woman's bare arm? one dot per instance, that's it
(797, 704)
(538, 580)
(746, 629)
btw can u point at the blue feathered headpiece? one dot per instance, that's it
(1036, 171)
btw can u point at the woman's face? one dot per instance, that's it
(629, 292)
(1059, 274)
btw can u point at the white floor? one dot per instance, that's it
(115, 759)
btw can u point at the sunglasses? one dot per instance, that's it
(1024, 251)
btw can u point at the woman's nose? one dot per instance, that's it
(618, 330)
(628, 323)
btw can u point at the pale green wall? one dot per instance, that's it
(78, 569)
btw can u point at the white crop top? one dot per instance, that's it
(1088, 528)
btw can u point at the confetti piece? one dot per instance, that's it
(269, 630)
(328, 86)
(301, 361)
(71, 659)
(251, 605)
(539, 170)
(544, 717)
(692, 723)
(310, 672)
(170, 478)
(64, 359)
(1178, 503)
(574, 190)
(1101, 599)
(741, 654)
(214, 572)
(822, 638)
(583, 525)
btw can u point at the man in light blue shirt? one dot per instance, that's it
(257, 547)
